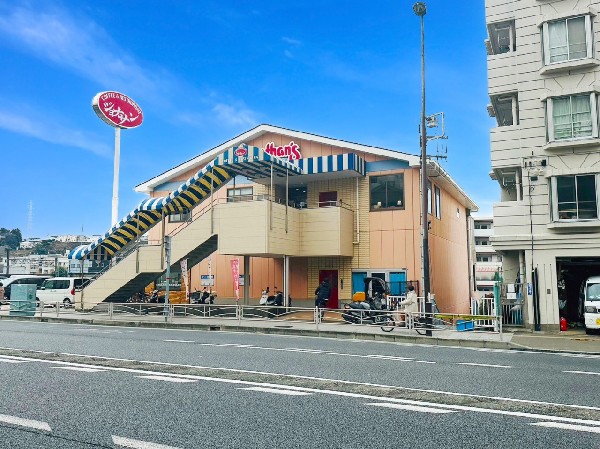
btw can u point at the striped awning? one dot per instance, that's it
(333, 163)
(244, 160)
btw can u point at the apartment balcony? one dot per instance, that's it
(502, 73)
(508, 144)
(483, 232)
(484, 249)
(511, 225)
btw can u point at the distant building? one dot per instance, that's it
(487, 261)
(34, 263)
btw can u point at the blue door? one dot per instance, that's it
(357, 281)
(398, 283)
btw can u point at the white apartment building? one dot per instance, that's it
(487, 261)
(35, 264)
(544, 83)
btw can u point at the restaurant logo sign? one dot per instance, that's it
(241, 151)
(290, 151)
(117, 110)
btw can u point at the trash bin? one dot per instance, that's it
(22, 300)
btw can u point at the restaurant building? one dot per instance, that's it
(293, 208)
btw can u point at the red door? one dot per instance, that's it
(332, 275)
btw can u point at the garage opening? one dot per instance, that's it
(571, 272)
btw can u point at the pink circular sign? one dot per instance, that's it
(117, 110)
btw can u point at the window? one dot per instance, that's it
(239, 194)
(387, 192)
(483, 242)
(567, 39)
(572, 117)
(438, 202)
(502, 37)
(483, 226)
(429, 202)
(575, 197)
(505, 108)
(483, 259)
(180, 217)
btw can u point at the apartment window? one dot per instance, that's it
(576, 197)
(438, 202)
(483, 259)
(502, 37)
(483, 226)
(567, 39)
(180, 217)
(572, 117)
(387, 191)
(429, 201)
(482, 242)
(239, 194)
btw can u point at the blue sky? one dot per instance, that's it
(206, 71)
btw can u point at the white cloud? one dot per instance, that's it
(291, 41)
(235, 115)
(28, 125)
(82, 46)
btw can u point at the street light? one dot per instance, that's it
(420, 10)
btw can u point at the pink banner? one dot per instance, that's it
(235, 271)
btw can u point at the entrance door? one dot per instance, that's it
(327, 199)
(332, 275)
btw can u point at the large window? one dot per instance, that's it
(576, 197)
(572, 117)
(239, 194)
(387, 192)
(567, 39)
(438, 202)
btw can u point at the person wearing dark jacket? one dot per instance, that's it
(323, 292)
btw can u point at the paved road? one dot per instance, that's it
(217, 389)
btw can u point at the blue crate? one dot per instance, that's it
(462, 325)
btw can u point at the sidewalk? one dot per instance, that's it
(570, 341)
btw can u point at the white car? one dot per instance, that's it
(590, 294)
(61, 290)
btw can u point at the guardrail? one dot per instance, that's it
(387, 320)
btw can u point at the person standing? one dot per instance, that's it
(410, 306)
(323, 292)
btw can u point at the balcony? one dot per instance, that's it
(511, 225)
(502, 73)
(508, 144)
(252, 228)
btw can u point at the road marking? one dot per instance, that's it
(412, 408)
(80, 368)
(582, 372)
(180, 341)
(168, 379)
(276, 391)
(558, 425)
(12, 361)
(39, 425)
(278, 375)
(485, 365)
(138, 444)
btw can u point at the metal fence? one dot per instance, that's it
(511, 307)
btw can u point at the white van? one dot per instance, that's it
(60, 290)
(16, 279)
(590, 294)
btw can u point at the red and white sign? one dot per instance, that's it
(117, 110)
(241, 152)
(235, 272)
(290, 151)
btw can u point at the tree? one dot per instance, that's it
(61, 272)
(11, 238)
(44, 247)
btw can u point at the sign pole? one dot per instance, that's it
(115, 197)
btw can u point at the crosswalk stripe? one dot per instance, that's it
(412, 408)
(277, 391)
(564, 426)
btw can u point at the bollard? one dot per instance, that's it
(57, 306)
(110, 310)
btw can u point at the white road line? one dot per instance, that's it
(558, 425)
(412, 408)
(180, 341)
(12, 361)
(138, 444)
(277, 391)
(582, 372)
(38, 425)
(79, 368)
(485, 365)
(167, 379)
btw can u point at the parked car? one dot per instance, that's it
(60, 289)
(589, 299)
(15, 279)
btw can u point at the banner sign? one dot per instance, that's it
(235, 271)
(184, 276)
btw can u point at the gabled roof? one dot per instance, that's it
(198, 161)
